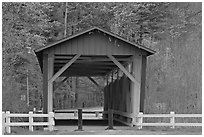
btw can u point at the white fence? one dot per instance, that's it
(172, 117)
(6, 121)
(91, 114)
(140, 119)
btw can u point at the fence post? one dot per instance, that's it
(140, 120)
(3, 122)
(172, 119)
(30, 121)
(80, 122)
(110, 120)
(97, 113)
(50, 121)
(8, 128)
(75, 113)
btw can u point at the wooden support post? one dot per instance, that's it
(110, 120)
(111, 92)
(45, 82)
(80, 122)
(117, 92)
(128, 93)
(111, 96)
(31, 121)
(48, 70)
(8, 128)
(135, 88)
(76, 92)
(104, 104)
(50, 86)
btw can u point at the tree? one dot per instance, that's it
(25, 26)
(172, 29)
(174, 71)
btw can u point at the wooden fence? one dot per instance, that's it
(172, 117)
(73, 114)
(7, 124)
(140, 119)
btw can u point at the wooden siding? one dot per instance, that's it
(96, 43)
(116, 95)
(143, 79)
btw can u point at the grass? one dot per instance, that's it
(100, 130)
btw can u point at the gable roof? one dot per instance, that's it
(150, 51)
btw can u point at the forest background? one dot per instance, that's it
(173, 30)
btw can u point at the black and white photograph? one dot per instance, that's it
(101, 68)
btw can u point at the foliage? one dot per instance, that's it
(25, 26)
(172, 29)
(174, 72)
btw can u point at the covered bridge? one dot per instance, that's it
(96, 52)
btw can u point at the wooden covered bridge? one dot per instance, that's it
(96, 52)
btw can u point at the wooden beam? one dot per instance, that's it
(91, 60)
(48, 62)
(123, 69)
(64, 68)
(78, 71)
(92, 80)
(78, 62)
(50, 86)
(87, 69)
(45, 83)
(134, 89)
(59, 66)
(84, 74)
(58, 85)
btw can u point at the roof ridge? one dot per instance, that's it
(100, 29)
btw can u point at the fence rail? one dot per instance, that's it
(7, 124)
(172, 117)
(140, 119)
(124, 114)
(74, 114)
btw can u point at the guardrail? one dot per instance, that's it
(140, 119)
(7, 124)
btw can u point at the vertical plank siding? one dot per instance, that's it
(94, 44)
(123, 94)
(143, 79)
(118, 95)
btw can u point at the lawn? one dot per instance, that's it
(119, 130)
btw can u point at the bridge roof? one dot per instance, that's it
(93, 45)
